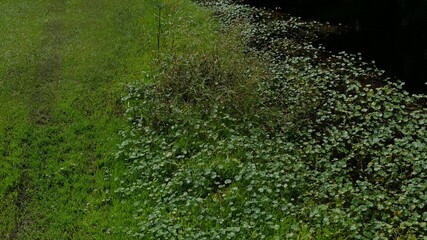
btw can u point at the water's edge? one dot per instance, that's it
(391, 33)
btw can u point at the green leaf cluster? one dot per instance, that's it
(281, 139)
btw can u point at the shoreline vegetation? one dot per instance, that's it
(231, 125)
(263, 135)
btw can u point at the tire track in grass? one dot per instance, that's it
(47, 75)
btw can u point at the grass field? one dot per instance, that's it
(147, 119)
(62, 63)
(63, 66)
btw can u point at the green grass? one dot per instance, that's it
(62, 65)
(219, 143)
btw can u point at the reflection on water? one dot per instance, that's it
(391, 32)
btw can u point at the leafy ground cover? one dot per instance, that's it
(279, 139)
(238, 130)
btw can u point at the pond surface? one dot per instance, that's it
(393, 33)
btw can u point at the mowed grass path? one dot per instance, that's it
(62, 65)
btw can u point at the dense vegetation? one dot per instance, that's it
(236, 127)
(270, 137)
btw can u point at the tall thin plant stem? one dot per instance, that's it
(159, 29)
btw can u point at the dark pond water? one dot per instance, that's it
(393, 33)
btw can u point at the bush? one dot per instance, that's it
(207, 77)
